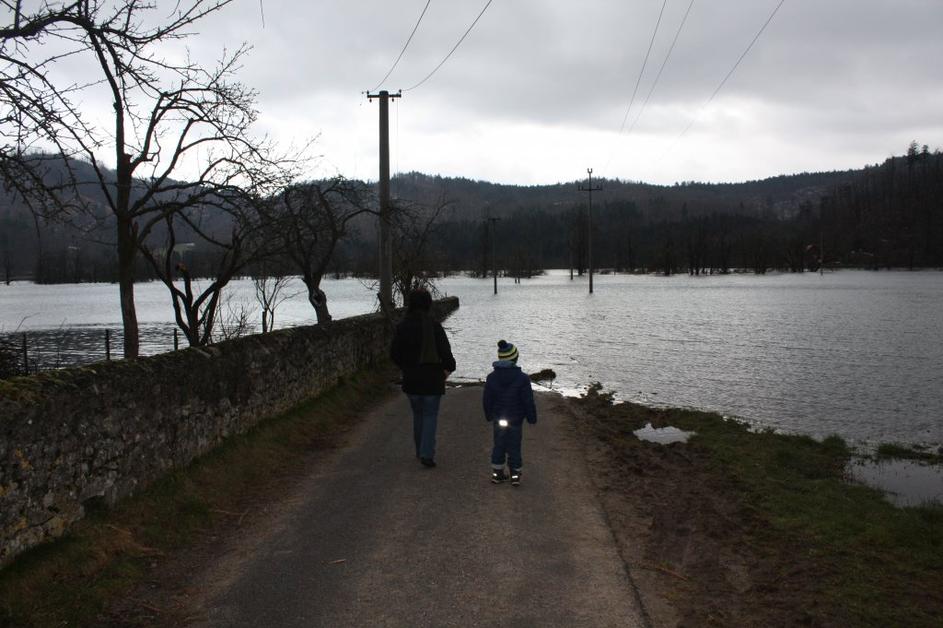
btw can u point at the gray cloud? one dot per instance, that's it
(540, 86)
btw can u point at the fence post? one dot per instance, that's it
(25, 357)
(108, 345)
(176, 340)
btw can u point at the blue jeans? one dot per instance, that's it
(507, 445)
(425, 418)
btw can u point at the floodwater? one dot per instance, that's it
(662, 435)
(904, 482)
(855, 353)
(66, 323)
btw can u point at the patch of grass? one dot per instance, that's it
(906, 452)
(71, 580)
(879, 565)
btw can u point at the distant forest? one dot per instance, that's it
(888, 215)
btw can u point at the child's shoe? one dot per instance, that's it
(515, 477)
(498, 476)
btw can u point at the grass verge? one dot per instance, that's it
(72, 580)
(836, 553)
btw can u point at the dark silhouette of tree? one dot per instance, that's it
(270, 292)
(307, 222)
(196, 305)
(417, 247)
(174, 121)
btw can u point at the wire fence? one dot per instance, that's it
(30, 352)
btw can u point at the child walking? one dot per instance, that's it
(508, 400)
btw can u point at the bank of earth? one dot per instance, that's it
(741, 528)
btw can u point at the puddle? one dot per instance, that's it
(904, 482)
(662, 435)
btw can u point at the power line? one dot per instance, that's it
(662, 68)
(454, 48)
(733, 69)
(406, 45)
(644, 63)
(722, 83)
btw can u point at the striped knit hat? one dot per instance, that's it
(507, 351)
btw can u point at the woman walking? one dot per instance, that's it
(421, 350)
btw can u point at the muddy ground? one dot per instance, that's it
(698, 555)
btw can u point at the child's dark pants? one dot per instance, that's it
(507, 446)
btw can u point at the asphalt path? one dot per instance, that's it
(371, 538)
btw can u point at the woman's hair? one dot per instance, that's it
(419, 300)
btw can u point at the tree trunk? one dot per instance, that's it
(318, 300)
(129, 319)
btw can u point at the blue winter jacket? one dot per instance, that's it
(508, 394)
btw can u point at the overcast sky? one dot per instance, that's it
(539, 89)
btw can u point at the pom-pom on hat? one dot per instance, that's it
(507, 351)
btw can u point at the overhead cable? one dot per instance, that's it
(662, 68)
(644, 63)
(406, 45)
(454, 48)
(732, 70)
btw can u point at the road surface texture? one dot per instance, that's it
(372, 538)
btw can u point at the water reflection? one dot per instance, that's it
(904, 482)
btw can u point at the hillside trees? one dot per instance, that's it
(180, 134)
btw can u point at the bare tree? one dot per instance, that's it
(173, 119)
(196, 305)
(36, 113)
(270, 292)
(233, 319)
(309, 222)
(414, 245)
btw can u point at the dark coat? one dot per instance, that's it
(420, 379)
(508, 395)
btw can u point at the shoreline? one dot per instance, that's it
(756, 528)
(930, 452)
(879, 468)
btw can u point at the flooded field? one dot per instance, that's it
(854, 353)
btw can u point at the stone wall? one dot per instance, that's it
(108, 430)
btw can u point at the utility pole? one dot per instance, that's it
(494, 259)
(571, 255)
(386, 241)
(589, 236)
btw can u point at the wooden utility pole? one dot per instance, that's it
(571, 241)
(589, 224)
(494, 259)
(386, 221)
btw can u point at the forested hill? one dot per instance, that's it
(885, 215)
(781, 194)
(881, 216)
